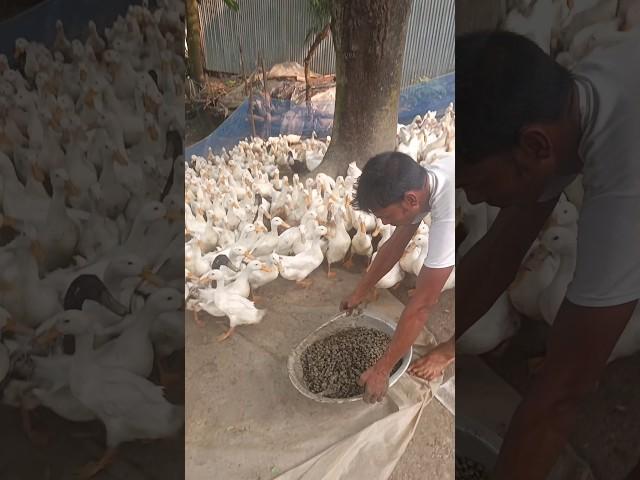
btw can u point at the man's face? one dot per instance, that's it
(400, 213)
(504, 180)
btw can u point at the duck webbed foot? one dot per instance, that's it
(226, 335)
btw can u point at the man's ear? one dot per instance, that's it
(411, 199)
(534, 149)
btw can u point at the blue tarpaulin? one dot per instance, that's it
(434, 95)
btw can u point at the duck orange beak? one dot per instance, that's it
(8, 222)
(120, 158)
(172, 215)
(70, 189)
(38, 173)
(15, 327)
(151, 277)
(49, 337)
(266, 269)
(37, 251)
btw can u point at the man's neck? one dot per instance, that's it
(426, 193)
(571, 133)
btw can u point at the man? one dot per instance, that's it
(400, 192)
(525, 128)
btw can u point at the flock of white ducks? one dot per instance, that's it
(91, 171)
(571, 29)
(541, 283)
(246, 224)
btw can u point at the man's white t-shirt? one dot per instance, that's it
(441, 251)
(608, 253)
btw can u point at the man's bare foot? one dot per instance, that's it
(432, 365)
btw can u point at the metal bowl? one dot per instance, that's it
(340, 322)
(476, 442)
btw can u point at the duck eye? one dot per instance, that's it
(556, 237)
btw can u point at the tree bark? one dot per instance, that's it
(307, 61)
(193, 41)
(369, 39)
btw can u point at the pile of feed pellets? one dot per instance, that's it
(467, 469)
(331, 366)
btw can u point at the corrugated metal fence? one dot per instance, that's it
(277, 29)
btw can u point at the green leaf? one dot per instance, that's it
(232, 4)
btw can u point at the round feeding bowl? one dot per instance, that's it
(340, 322)
(476, 442)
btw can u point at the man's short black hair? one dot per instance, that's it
(504, 82)
(385, 179)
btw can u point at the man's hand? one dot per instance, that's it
(353, 301)
(375, 382)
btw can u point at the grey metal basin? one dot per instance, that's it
(364, 319)
(476, 442)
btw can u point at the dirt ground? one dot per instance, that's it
(207, 112)
(430, 453)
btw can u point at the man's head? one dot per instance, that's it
(512, 105)
(392, 187)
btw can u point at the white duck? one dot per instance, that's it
(339, 239)
(239, 310)
(59, 234)
(534, 275)
(360, 244)
(300, 266)
(133, 350)
(561, 242)
(267, 244)
(267, 273)
(499, 323)
(129, 406)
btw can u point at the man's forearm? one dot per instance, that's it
(409, 326)
(414, 316)
(480, 283)
(488, 269)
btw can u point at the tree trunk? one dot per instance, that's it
(193, 42)
(369, 38)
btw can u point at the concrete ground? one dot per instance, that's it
(212, 404)
(606, 434)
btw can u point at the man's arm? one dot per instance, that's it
(581, 341)
(388, 255)
(428, 288)
(486, 271)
